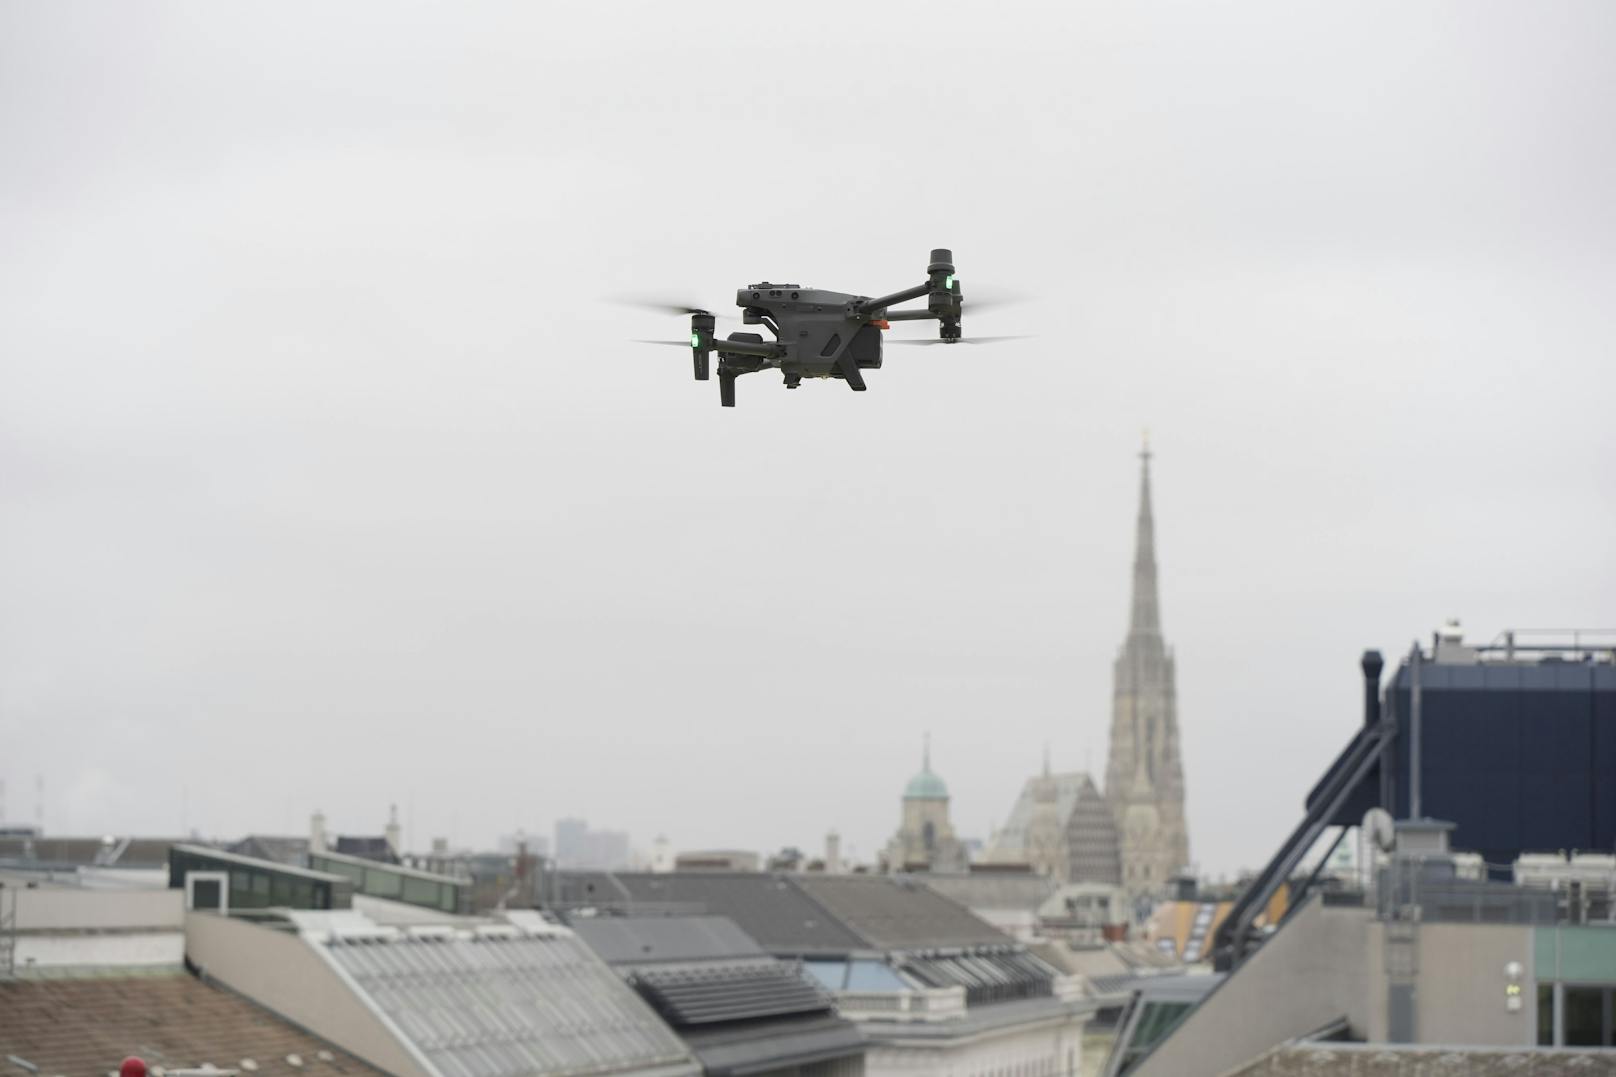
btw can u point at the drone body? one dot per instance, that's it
(817, 333)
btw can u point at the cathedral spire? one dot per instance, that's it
(1146, 616)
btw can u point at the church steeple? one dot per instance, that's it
(1145, 619)
(1144, 775)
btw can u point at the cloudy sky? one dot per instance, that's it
(328, 478)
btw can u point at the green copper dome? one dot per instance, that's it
(925, 786)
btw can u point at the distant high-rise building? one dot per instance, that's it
(1144, 776)
(577, 846)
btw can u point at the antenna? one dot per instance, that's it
(39, 803)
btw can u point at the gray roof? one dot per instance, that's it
(899, 914)
(739, 1009)
(495, 1002)
(769, 908)
(993, 890)
(277, 847)
(643, 940)
(775, 1046)
(804, 914)
(716, 992)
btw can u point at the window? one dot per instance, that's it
(1156, 1020)
(1585, 1016)
(1545, 1015)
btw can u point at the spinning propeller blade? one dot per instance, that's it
(674, 343)
(977, 298)
(962, 340)
(659, 305)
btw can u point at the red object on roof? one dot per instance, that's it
(132, 1067)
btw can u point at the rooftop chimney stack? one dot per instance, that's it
(317, 832)
(1372, 664)
(833, 853)
(394, 833)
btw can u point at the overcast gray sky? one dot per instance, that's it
(327, 479)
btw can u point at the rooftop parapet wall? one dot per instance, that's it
(98, 910)
(1402, 1060)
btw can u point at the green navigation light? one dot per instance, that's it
(695, 340)
(949, 283)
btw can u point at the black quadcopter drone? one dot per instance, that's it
(820, 334)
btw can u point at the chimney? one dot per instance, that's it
(1372, 665)
(394, 833)
(317, 832)
(833, 853)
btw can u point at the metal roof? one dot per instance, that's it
(709, 993)
(497, 1002)
(925, 786)
(985, 977)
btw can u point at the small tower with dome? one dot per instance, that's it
(925, 839)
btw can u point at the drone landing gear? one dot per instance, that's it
(742, 353)
(848, 367)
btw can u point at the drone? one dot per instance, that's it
(817, 333)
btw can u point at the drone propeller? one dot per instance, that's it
(978, 298)
(961, 340)
(660, 305)
(673, 343)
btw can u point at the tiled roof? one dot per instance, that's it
(85, 1027)
(1093, 847)
(893, 914)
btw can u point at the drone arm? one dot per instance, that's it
(760, 349)
(909, 315)
(865, 306)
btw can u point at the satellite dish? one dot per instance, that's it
(1377, 826)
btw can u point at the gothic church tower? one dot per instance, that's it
(1144, 777)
